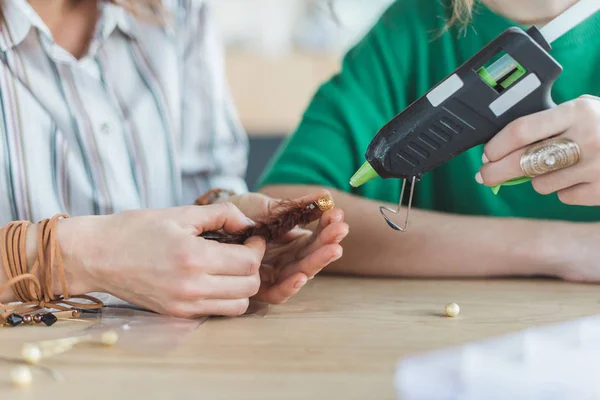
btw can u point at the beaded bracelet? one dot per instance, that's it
(47, 319)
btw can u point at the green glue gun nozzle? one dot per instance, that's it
(512, 182)
(364, 174)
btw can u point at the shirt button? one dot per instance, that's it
(106, 128)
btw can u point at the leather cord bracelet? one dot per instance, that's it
(35, 293)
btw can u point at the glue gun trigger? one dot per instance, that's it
(383, 209)
(391, 224)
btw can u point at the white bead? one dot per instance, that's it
(31, 353)
(109, 338)
(452, 310)
(21, 375)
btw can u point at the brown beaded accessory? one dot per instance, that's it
(286, 215)
(35, 293)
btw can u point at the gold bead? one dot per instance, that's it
(325, 203)
(452, 309)
(31, 353)
(21, 375)
(109, 338)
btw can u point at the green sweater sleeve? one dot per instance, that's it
(348, 110)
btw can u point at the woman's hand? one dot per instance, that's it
(288, 265)
(577, 120)
(154, 259)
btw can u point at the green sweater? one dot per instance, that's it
(397, 62)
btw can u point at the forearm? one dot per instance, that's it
(442, 245)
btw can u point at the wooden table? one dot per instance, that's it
(339, 339)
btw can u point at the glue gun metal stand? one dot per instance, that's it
(509, 78)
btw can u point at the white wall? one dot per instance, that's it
(282, 26)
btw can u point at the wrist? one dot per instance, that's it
(32, 250)
(576, 251)
(77, 240)
(31, 245)
(556, 248)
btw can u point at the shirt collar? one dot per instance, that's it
(20, 18)
(116, 17)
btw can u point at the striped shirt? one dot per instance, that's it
(143, 120)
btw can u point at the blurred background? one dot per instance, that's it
(278, 53)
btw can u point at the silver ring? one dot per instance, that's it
(549, 155)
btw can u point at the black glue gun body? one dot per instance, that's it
(510, 78)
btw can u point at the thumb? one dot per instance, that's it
(215, 217)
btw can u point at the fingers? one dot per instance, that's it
(331, 229)
(530, 129)
(577, 120)
(282, 291)
(231, 287)
(584, 194)
(561, 179)
(229, 259)
(256, 246)
(329, 217)
(331, 234)
(254, 205)
(214, 295)
(294, 277)
(507, 168)
(210, 307)
(202, 286)
(503, 170)
(496, 173)
(314, 262)
(215, 217)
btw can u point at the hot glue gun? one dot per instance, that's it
(509, 78)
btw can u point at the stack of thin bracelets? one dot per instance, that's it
(36, 294)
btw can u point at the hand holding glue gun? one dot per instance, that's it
(559, 149)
